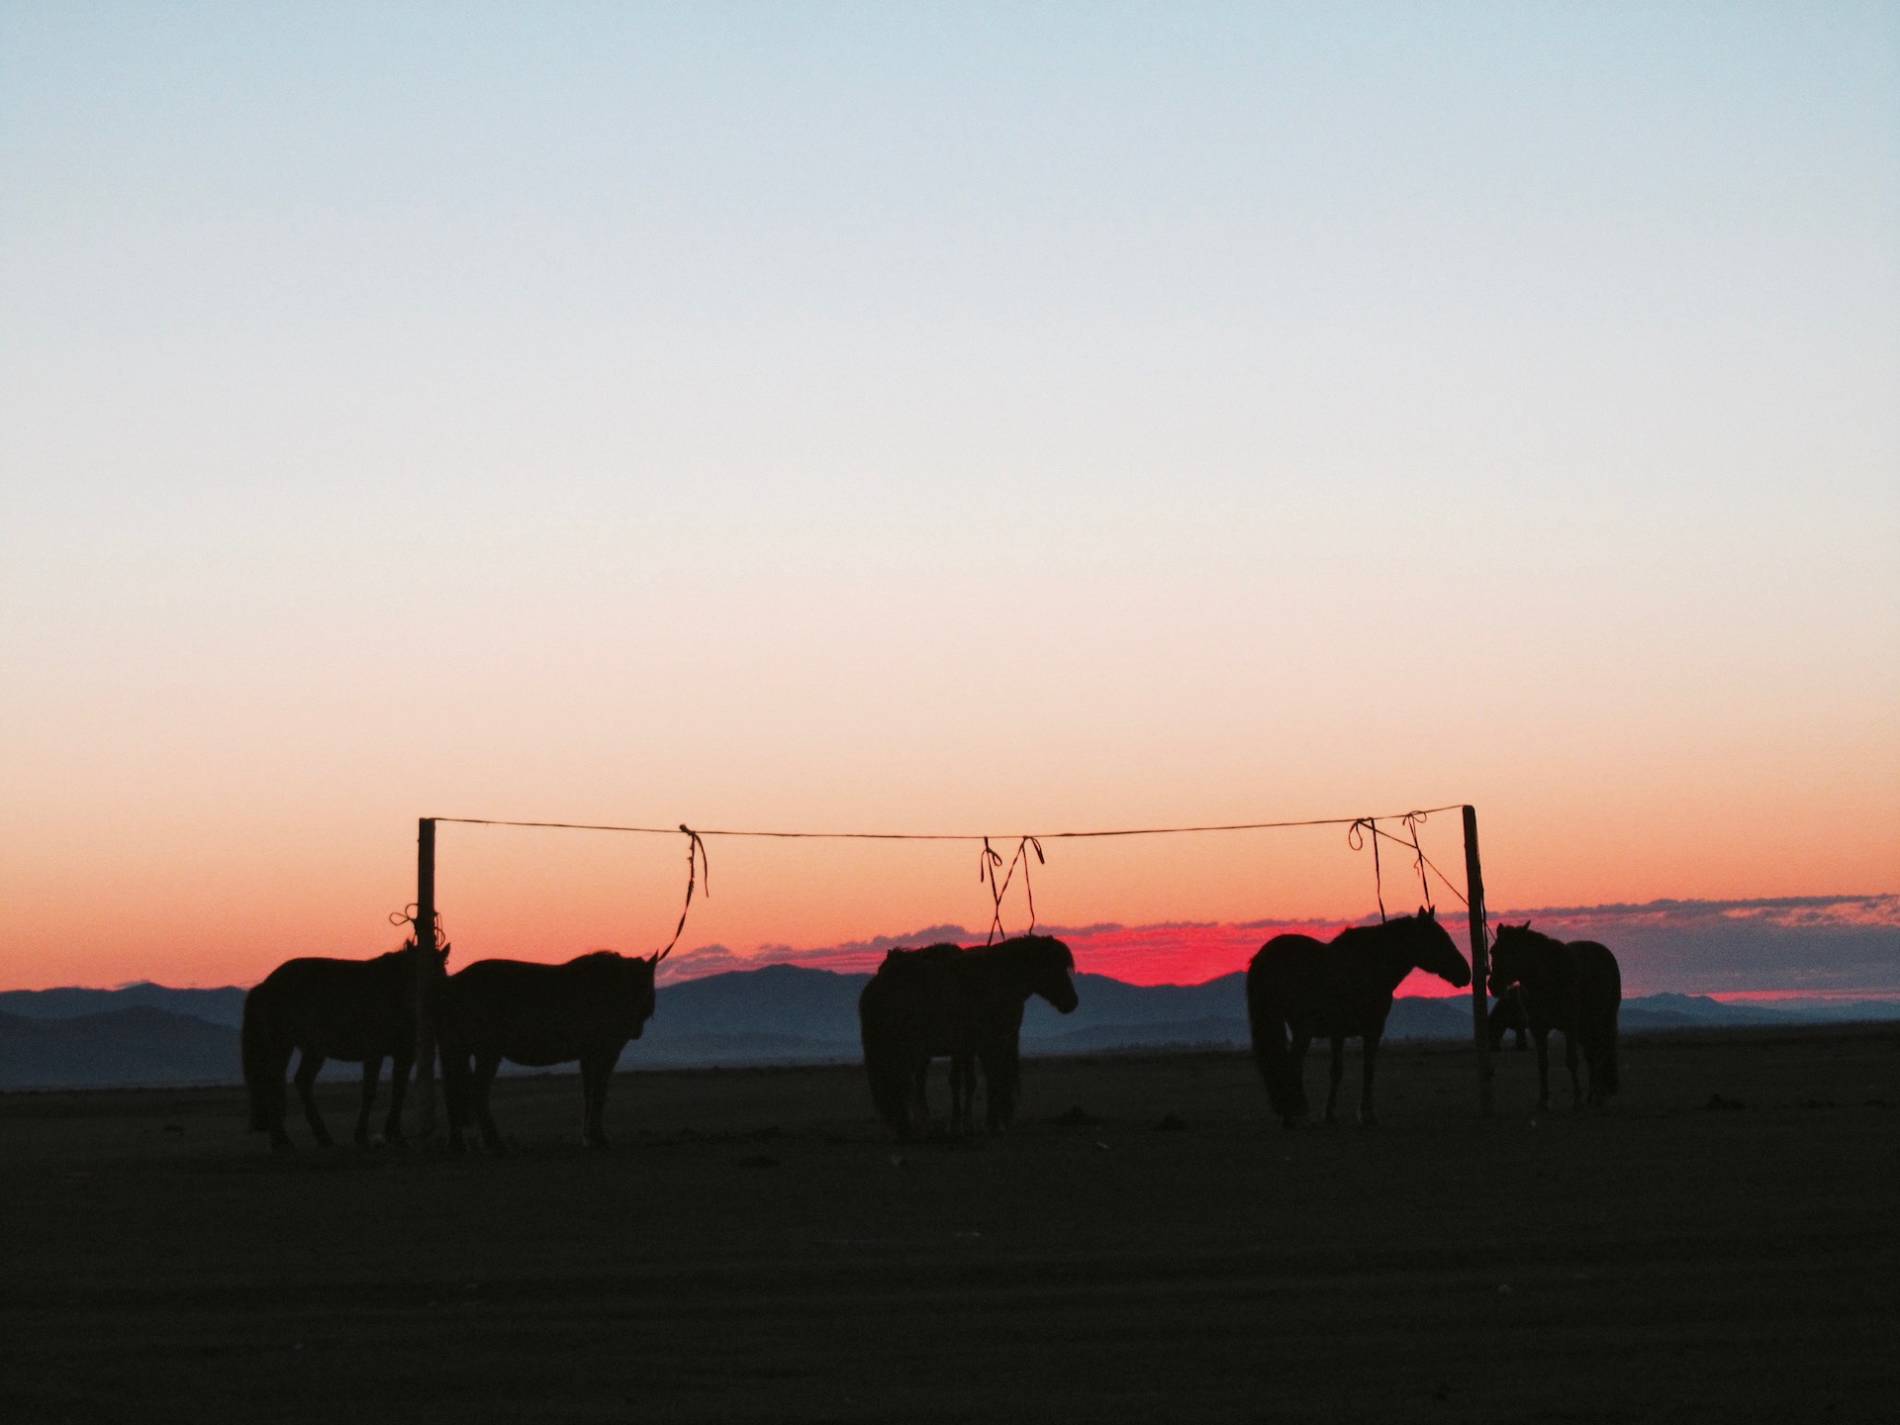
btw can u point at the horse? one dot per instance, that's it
(942, 1000)
(1507, 1017)
(1574, 986)
(1339, 989)
(362, 1011)
(586, 1009)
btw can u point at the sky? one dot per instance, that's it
(980, 419)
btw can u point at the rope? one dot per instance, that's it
(989, 859)
(987, 862)
(407, 916)
(1356, 839)
(930, 835)
(1412, 820)
(695, 861)
(1450, 885)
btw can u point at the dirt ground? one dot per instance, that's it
(1146, 1245)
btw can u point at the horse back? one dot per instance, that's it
(929, 1003)
(538, 1014)
(1315, 988)
(1596, 981)
(342, 1009)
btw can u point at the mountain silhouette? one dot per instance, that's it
(151, 1035)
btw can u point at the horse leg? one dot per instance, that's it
(307, 1066)
(1543, 1069)
(486, 1064)
(603, 1080)
(399, 1065)
(1296, 1069)
(455, 1077)
(372, 1070)
(593, 1101)
(919, 1103)
(1570, 1063)
(1338, 1072)
(1366, 1116)
(277, 1101)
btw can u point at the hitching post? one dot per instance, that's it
(425, 977)
(1480, 958)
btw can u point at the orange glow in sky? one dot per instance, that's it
(988, 421)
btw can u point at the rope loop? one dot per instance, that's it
(1356, 839)
(407, 916)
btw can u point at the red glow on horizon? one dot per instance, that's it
(1177, 954)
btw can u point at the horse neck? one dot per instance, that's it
(1392, 957)
(1013, 976)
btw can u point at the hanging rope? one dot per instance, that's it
(1356, 839)
(988, 859)
(1432, 866)
(1412, 820)
(695, 861)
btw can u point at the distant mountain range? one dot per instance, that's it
(147, 1034)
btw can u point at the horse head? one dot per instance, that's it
(1433, 949)
(637, 976)
(1507, 956)
(1051, 966)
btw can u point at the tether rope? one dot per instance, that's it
(989, 859)
(695, 848)
(936, 835)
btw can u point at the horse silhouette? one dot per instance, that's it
(1574, 986)
(1507, 1017)
(362, 1011)
(586, 1009)
(967, 1005)
(1340, 989)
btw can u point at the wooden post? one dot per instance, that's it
(424, 1092)
(1480, 962)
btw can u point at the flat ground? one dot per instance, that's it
(753, 1248)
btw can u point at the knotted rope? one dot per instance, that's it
(1356, 839)
(407, 916)
(988, 859)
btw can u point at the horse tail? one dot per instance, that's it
(1267, 1023)
(260, 1083)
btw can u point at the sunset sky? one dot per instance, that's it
(975, 419)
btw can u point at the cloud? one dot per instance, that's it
(1823, 945)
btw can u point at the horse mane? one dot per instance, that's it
(1032, 947)
(597, 957)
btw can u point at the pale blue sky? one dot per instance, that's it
(1235, 402)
